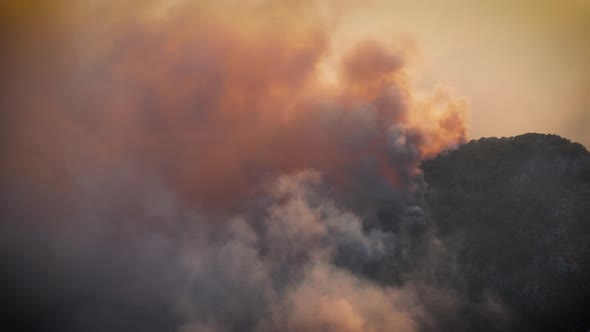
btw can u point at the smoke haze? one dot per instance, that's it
(190, 167)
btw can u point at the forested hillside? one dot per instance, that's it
(517, 212)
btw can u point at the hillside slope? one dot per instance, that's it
(519, 209)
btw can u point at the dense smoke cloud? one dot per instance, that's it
(285, 271)
(188, 167)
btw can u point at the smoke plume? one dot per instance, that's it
(188, 167)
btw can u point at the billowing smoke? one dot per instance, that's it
(188, 167)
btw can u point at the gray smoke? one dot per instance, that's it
(180, 168)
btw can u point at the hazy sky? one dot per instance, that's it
(524, 65)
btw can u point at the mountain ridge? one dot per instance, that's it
(520, 208)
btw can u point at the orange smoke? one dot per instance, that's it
(215, 98)
(191, 161)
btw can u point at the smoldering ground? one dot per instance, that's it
(186, 167)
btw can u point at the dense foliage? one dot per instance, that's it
(518, 213)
